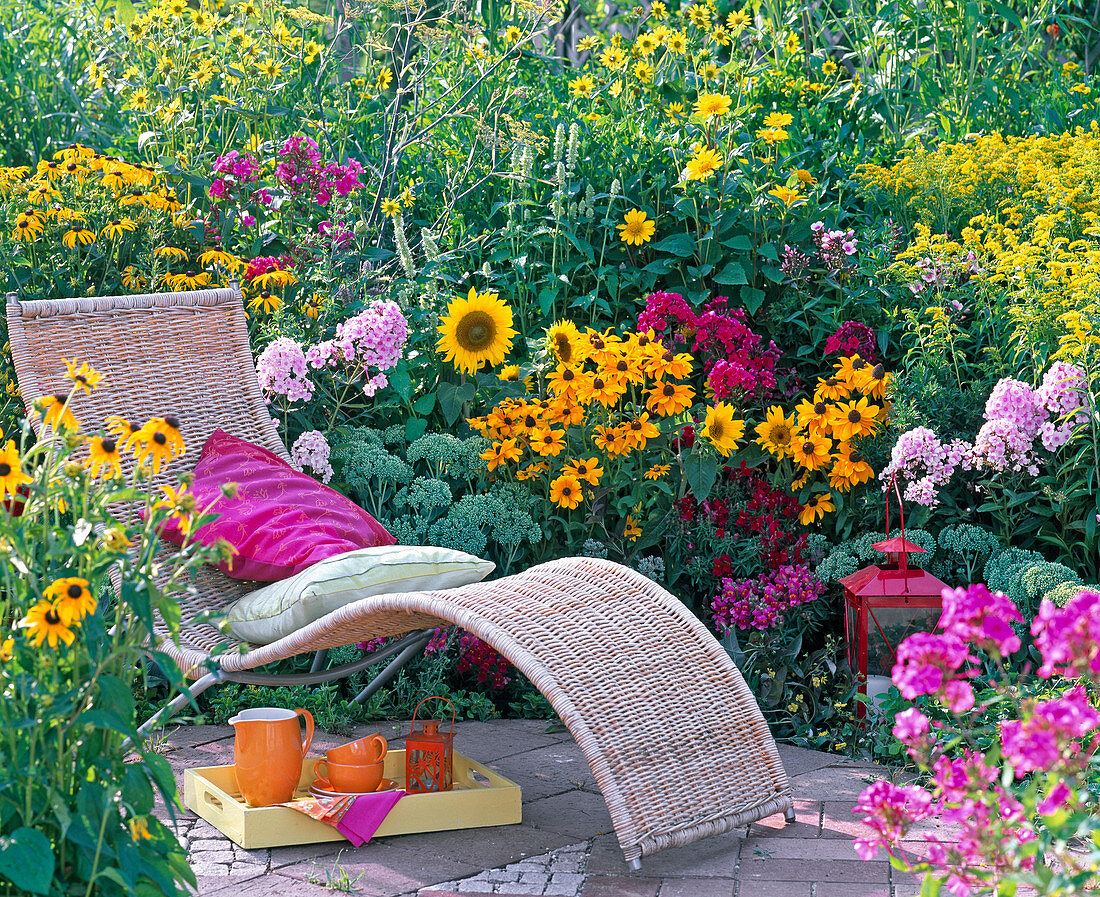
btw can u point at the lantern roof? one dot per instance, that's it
(899, 544)
(874, 580)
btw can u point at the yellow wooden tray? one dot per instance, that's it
(480, 797)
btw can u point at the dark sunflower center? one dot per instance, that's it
(635, 425)
(568, 375)
(476, 331)
(51, 617)
(60, 398)
(622, 366)
(108, 446)
(598, 383)
(173, 422)
(582, 469)
(567, 491)
(160, 439)
(74, 591)
(529, 421)
(782, 435)
(878, 372)
(859, 364)
(854, 416)
(832, 381)
(820, 408)
(669, 390)
(717, 430)
(71, 166)
(807, 448)
(5, 469)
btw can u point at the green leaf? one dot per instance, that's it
(452, 396)
(752, 298)
(27, 861)
(731, 275)
(682, 245)
(701, 471)
(424, 404)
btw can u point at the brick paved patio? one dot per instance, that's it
(565, 846)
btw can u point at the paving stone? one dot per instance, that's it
(271, 886)
(620, 886)
(698, 887)
(567, 880)
(224, 857)
(833, 783)
(486, 848)
(850, 889)
(209, 869)
(519, 889)
(546, 771)
(777, 869)
(807, 822)
(797, 760)
(787, 848)
(774, 889)
(193, 736)
(576, 813)
(501, 875)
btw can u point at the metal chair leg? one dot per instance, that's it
(414, 644)
(788, 815)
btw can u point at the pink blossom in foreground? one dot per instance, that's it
(1069, 637)
(977, 615)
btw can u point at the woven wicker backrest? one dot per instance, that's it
(182, 354)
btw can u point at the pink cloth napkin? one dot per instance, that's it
(356, 818)
(360, 821)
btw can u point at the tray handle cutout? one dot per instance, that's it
(213, 801)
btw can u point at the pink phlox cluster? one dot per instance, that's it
(890, 811)
(375, 337)
(234, 170)
(834, 247)
(337, 235)
(981, 617)
(924, 464)
(930, 273)
(1045, 738)
(937, 665)
(1069, 637)
(1063, 394)
(1002, 446)
(1015, 401)
(853, 338)
(669, 316)
(484, 661)
(301, 171)
(281, 370)
(264, 264)
(763, 603)
(795, 265)
(312, 450)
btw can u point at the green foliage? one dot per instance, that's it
(1004, 569)
(848, 556)
(1039, 579)
(964, 552)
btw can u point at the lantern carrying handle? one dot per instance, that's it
(437, 698)
(901, 509)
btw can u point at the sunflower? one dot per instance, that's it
(103, 457)
(710, 105)
(45, 625)
(564, 342)
(777, 119)
(11, 471)
(566, 491)
(56, 411)
(656, 472)
(721, 429)
(83, 375)
(669, 398)
(582, 86)
(71, 598)
(811, 451)
(818, 506)
(851, 419)
(391, 208)
(477, 330)
(587, 469)
(702, 165)
(775, 434)
(636, 228)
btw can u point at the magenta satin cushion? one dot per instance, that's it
(281, 521)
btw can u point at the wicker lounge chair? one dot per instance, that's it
(674, 738)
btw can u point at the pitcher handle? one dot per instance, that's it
(308, 740)
(383, 747)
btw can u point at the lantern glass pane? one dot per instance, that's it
(897, 623)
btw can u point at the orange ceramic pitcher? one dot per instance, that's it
(268, 752)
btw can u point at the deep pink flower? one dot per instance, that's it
(1069, 637)
(974, 614)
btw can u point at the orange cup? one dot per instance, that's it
(268, 752)
(351, 778)
(363, 751)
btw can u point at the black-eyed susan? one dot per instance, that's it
(831, 388)
(157, 442)
(7, 649)
(266, 301)
(314, 305)
(28, 226)
(118, 228)
(219, 258)
(587, 469)
(77, 236)
(548, 441)
(631, 531)
(532, 471)
(11, 471)
(476, 331)
(816, 508)
(139, 828)
(639, 430)
(709, 105)
(854, 418)
(132, 279)
(666, 398)
(568, 381)
(188, 280)
(873, 381)
(173, 253)
(500, 453)
(776, 432)
(566, 491)
(566, 411)
(721, 429)
(104, 459)
(181, 505)
(813, 417)
(811, 451)
(627, 368)
(56, 412)
(677, 366)
(565, 343)
(44, 625)
(71, 598)
(656, 472)
(124, 430)
(83, 375)
(636, 228)
(702, 165)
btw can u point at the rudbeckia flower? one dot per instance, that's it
(566, 491)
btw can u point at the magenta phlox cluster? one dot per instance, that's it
(1045, 738)
(1064, 395)
(302, 172)
(1069, 637)
(764, 602)
(281, 371)
(853, 338)
(981, 617)
(937, 665)
(337, 235)
(924, 464)
(669, 316)
(890, 812)
(312, 450)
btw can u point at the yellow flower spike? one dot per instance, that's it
(476, 331)
(636, 228)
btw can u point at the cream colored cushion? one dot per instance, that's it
(284, 607)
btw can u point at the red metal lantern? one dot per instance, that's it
(429, 754)
(888, 590)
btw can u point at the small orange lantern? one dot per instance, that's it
(429, 754)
